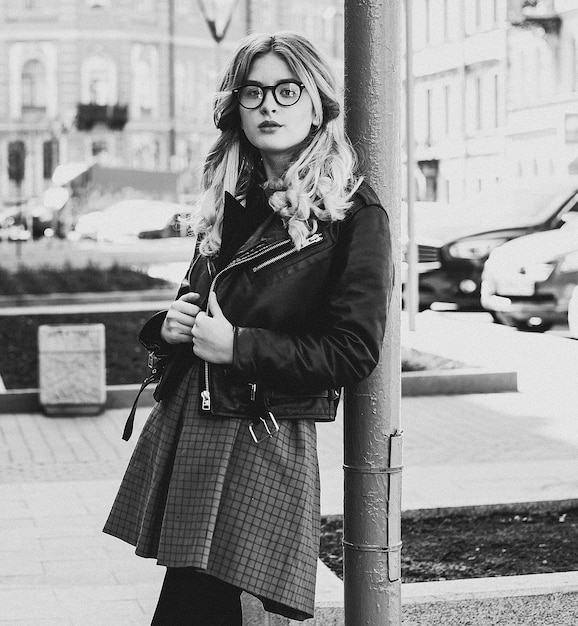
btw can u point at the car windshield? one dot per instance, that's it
(524, 202)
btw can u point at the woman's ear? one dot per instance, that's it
(315, 122)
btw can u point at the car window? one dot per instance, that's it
(525, 202)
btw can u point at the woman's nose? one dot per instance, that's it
(269, 103)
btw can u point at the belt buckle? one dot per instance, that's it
(269, 423)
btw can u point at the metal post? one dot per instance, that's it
(372, 454)
(171, 78)
(412, 286)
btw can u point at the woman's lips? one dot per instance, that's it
(268, 125)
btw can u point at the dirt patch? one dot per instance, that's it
(416, 361)
(475, 545)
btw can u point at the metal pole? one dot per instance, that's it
(412, 287)
(372, 454)
(171, 77)
(372, 449)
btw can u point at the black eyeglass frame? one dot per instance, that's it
(272, 88)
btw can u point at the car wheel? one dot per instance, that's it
(524, 325)
(496, 318)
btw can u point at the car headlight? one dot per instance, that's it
(475, 248)
(570, 263)
(538, 272)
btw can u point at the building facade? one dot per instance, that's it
(496, 93)
(125, 83)
(460, 63)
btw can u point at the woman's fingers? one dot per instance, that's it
(213, 335)
(180, 319)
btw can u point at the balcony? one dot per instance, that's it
(538, 14)
(90, 115)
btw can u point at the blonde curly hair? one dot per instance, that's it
(321, 178)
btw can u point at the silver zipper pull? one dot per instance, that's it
(205, 400)
(316, 238)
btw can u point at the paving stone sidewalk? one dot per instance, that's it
(58, 477)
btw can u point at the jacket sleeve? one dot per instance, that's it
(343, 342)
(150, 333)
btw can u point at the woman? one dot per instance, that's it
(284, 303)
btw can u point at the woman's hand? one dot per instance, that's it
(213, 335)
(180, 319)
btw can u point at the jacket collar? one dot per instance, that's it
(270, 231)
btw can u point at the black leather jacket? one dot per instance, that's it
(307, 322)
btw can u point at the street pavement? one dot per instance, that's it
(58, 477)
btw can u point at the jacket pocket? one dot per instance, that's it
(320, 406)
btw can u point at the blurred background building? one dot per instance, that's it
(125, 84)
(119, 89)
(496, 93)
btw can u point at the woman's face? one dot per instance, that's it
(274, 129)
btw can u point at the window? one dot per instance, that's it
(538, 69)
(99, 81)
(478, 102)
(573, 66)
(494, 11)
(33, 86)
(447, 112)
(143, 79)
(427, 17)
(475, 109)
(180, 89)
(50, 158)
(445, 18)
(496, 103)
(472, 16)
(429, 115)
(16, 161)
(145, 82)
(98, 87)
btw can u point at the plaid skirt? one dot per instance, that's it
(198, 492)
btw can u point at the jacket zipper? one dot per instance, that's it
(316, 238)
(249, 256)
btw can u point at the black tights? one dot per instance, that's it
(191, 598)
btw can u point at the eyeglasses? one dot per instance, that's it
(286, 94)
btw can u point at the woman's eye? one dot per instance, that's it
(252, 92)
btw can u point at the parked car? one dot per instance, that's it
(528, 283)
(454, 242)
(573, 313)
(128, 220)
(12, 226)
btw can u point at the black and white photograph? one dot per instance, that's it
(288, 312)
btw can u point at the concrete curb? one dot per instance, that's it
(329, 608)
(484, 509)
(498, 587)
(117, 397)
(105, 297)
(458, 381)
